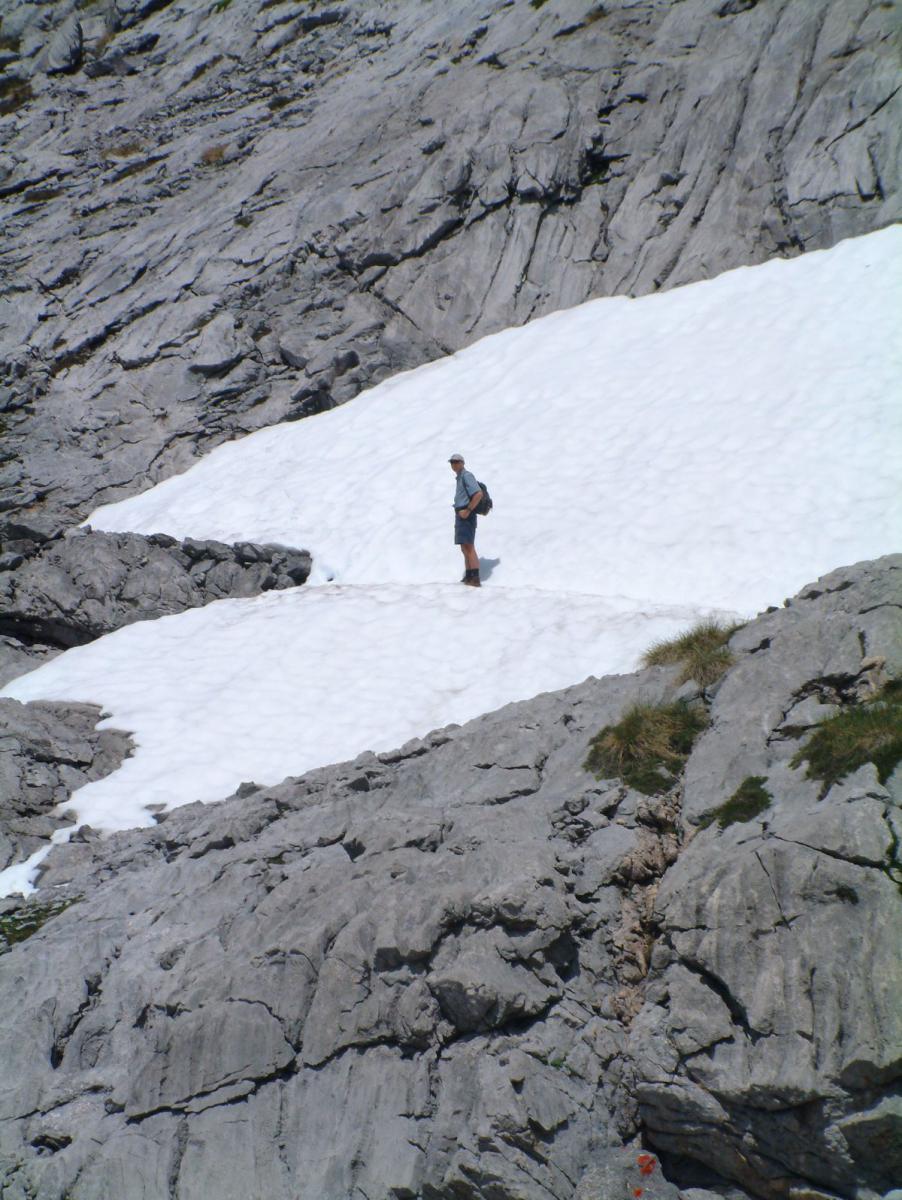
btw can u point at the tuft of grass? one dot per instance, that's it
(702, 652)
(749, 800)
(213, 156)
(221, 5)
(648, 747)
(277, 102)
(537, 3)
(868, 733)
(18, 926)
(13, 94)
(125, 149)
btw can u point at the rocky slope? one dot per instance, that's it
(221, 215)
(469, 968)
(466, 968)
(47, 751)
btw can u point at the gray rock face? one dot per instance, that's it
(64, 49)
(467, 968)
(404, 970)
(16, 658)
(47, 751)
(253, 210)
(772, 1003)
(78, 587)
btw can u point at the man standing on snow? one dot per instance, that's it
(466, 497)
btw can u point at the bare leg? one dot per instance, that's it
(471, 558)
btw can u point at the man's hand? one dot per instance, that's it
(463, 513)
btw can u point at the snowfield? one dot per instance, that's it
(710, 449)
(274, 686)
(722, 443)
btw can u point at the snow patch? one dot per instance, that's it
(722, 443)
(277, 685)
(708, 449)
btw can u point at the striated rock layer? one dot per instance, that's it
(468, 968)
(221, 215)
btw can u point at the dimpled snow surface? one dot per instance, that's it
(709, 449)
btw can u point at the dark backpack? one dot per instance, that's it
(484, 507)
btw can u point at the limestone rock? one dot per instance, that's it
(628, 1173)
(770, 1049)
(387, 953)
(17, 657)
(825, 662)
(384, 184)
(73, 589)
(218, 347)
(47, 751)
(402, 976)
(65, 47)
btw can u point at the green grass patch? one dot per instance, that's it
(868, 733)
(18, 926)
(648, 747)
(749, 800)
(702, 652)
(221, 5)
(276, 102)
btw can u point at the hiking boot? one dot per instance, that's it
(471, 579)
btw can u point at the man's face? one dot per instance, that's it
(457, 466)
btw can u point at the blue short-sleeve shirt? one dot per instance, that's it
(467, 487)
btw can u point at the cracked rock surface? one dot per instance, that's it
(46, 752)
(75, 588)
(219, 216)
(773, 999)
(468, 968)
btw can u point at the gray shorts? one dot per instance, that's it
(464, 530)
